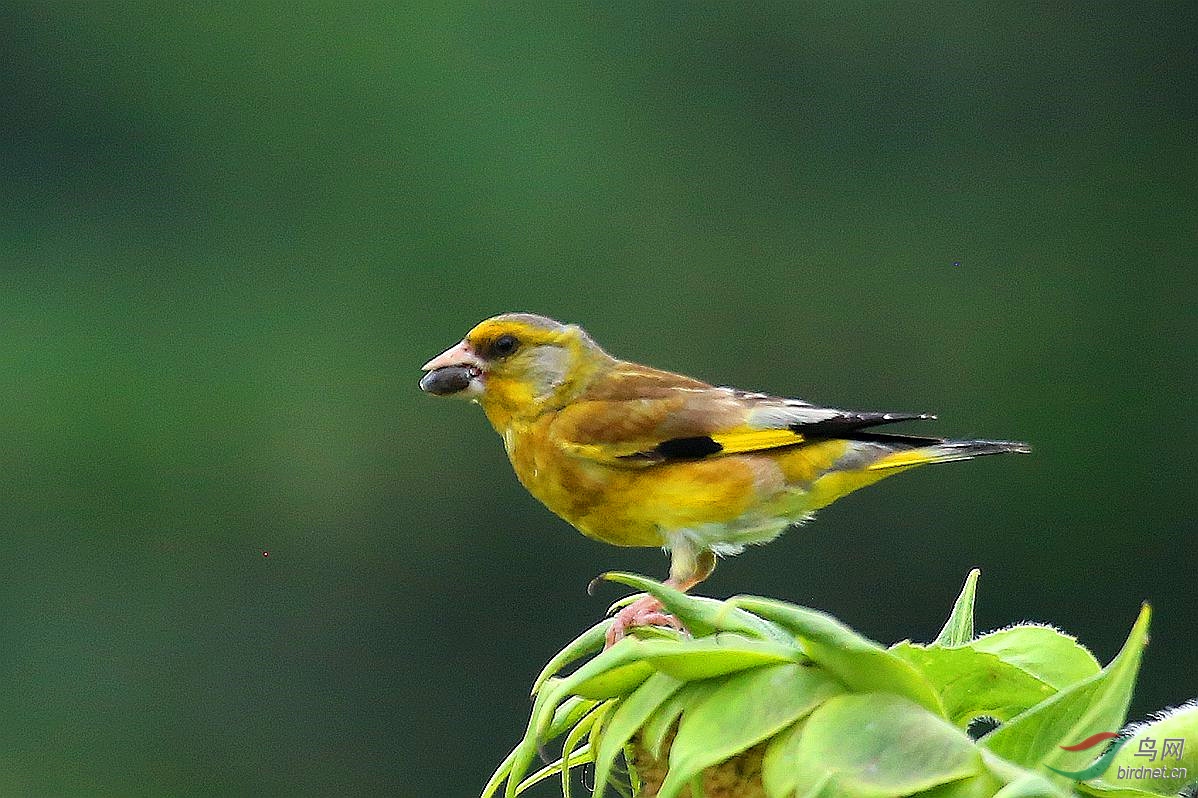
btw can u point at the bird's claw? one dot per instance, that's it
(646, 611)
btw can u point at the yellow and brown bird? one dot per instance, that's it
(636, 456)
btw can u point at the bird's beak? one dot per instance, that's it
(456, 370)
(459, 355)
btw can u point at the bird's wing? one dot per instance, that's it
(638, 417)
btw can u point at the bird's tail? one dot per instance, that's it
(875, 456)
(913, 451)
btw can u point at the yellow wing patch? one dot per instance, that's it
(754, 440)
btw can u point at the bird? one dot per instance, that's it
(632, 455)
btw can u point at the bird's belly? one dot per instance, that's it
(728, 500)
(721, 503)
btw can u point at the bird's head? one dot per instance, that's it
(516, 364)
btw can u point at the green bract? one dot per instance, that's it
(815, 710)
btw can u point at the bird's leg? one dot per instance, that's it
(687, 569)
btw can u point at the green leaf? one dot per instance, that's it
(1102, 789)
(521, 758)
(613, 673)
(1030, 785)
(655, 730)
(982, 785)
(824, 788)
(552, 711)
(1180, 724)
(777, 775)
(581, 756)
(569, 713)
(1098, 703)
(1046, 653)
(860, 663)
(658, 633)
(701, 616)
(958, 630)
(1006, 772)
(589, 641)
(575, 736)
(974, 683)
(873, 745)
(725, 686)
(716, 655)
(544, 710)
(629, 716)
(743, 710)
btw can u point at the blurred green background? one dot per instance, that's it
(233, 232)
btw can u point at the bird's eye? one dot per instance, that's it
(504, 345)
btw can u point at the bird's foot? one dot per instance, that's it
(645, 611)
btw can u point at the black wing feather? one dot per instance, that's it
(843, 425)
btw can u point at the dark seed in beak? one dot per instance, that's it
(447, 380)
